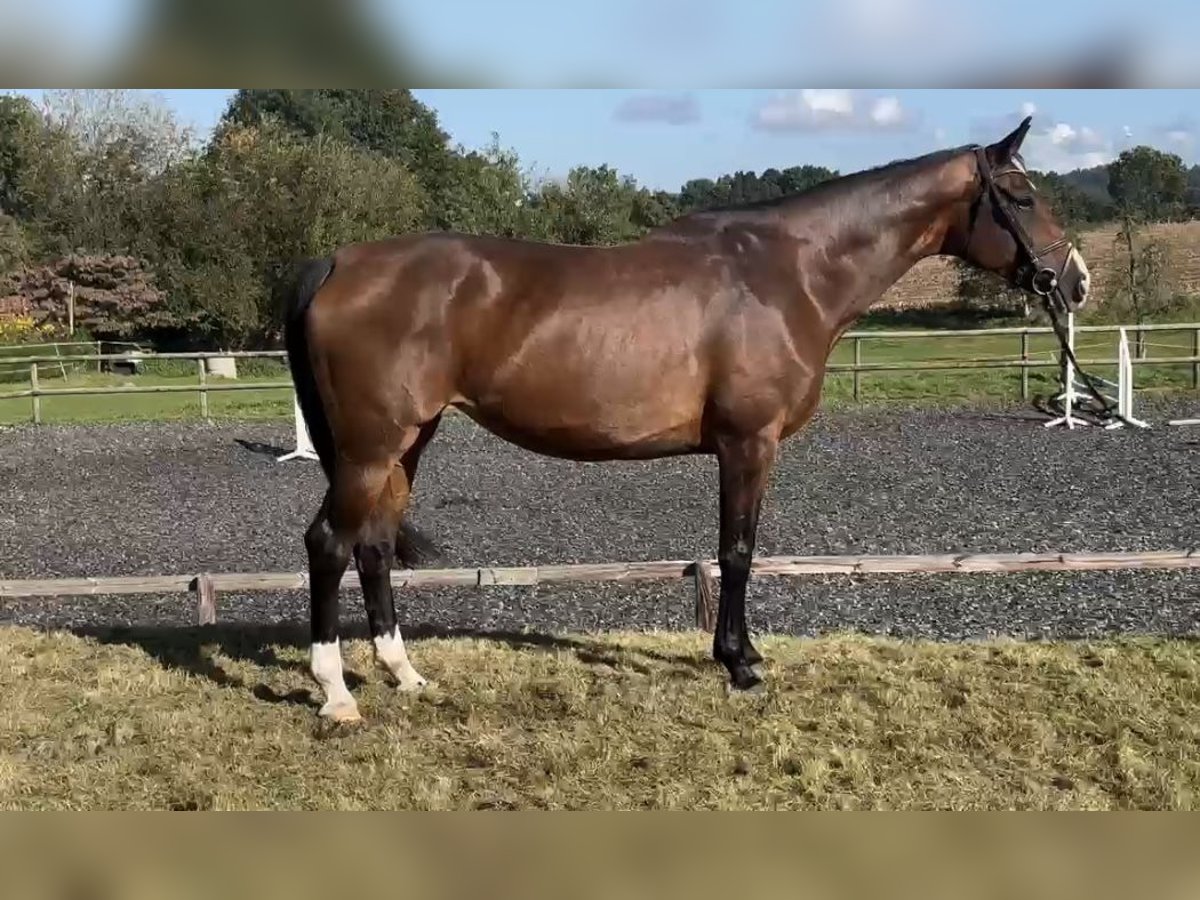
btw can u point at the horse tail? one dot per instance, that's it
(309, 278)
(412, 547)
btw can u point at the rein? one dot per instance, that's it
(1043, 280)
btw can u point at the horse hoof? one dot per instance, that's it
(747, 684)
(413, 686)
(341, 713)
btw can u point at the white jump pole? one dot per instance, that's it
(1072, 385)
(1125, 387)
(304, 445)
(1068, 393)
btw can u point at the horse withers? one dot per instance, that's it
(709, 335)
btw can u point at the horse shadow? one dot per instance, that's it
(196, 649)
(260, 448)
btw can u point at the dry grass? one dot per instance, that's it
(222, 719)
(933, 281)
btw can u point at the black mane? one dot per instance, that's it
(836, 189)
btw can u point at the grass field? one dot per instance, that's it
(223, 719)
(924, 387)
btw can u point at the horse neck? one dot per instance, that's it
(879, 235)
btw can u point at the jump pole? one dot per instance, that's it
(1125, 387)
(304, 445)
(1071, 386)
(1067, 395)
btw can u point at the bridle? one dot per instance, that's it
(1033, 275)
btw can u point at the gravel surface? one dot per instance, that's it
(159, 498)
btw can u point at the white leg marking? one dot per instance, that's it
(326, 668)
(390, 652)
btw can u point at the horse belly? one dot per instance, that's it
(573, 412)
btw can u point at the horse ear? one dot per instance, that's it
(1005, 149)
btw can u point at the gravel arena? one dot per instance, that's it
(162, 498)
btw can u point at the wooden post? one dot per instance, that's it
(36, 396)
(857, 363)
(1196, 365)
(706, 605)
(1025, 369)
(70, 310)
(203, 389)
(206, 600)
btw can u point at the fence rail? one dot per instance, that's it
(1023, 360)
(206, 585)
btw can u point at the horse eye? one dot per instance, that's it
(1024, 202)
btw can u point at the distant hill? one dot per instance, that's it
(1093, 182)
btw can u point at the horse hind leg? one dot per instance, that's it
(373, 557)
(330, 541)
(385, 537)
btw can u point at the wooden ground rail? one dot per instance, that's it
(206, 586)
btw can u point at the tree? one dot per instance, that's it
(795, 179)
(488, 194)
(390, 122)
(83, 166)
(224, 230)
(1071, 203)
(142, 132)
(1148, 184)
(747, 187)
(653, 209)
(115, 297)
(593, 206)
(1141, 283)
(14, 246)
(19, 124)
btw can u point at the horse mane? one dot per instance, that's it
(835, 189)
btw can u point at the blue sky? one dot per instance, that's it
(663, 138)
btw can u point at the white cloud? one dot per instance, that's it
(1180, 136)
(887, 111)
(1052, 144)
(1061, 146)
(827, 109)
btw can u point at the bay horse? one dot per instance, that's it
(709, 335)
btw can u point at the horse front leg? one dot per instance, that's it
(745, 463)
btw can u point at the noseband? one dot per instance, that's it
(1034, 275)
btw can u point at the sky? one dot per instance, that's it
(664, 137)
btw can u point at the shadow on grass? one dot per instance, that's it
(194, 650)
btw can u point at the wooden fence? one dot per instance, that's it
(1023, 360)
(205, 586)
